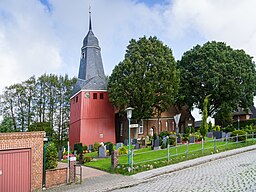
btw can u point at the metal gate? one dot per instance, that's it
(15, 170)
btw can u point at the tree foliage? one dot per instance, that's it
(51, 156)
(147, 78)
(38, 104)
(217, 69)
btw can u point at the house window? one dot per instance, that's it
(121, 129)
(94, 95)
(101, 96)
(76, 99)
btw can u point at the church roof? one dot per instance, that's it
(91, 74)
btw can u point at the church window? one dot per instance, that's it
(94, 95)
(76, 99)
(101, 96)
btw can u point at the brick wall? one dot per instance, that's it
(32, 140)
(56, 177)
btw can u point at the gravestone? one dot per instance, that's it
(179, 140)
(107, 147)
(217, 134)
(209, 134)
(156, 144)
(191, 139)
(91, 147)
(102, 151)
(118, 145)
(134, 141)
(137, 146)
(228, 135)
(143, 142)
(165, 140)
(125, 142)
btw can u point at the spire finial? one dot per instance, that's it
(90, 22)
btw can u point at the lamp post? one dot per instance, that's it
(238, 120)
(129, 116)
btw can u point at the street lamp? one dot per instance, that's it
(238, 120)
(129, 116)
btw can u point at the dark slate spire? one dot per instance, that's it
(90, 20)
(91, 73)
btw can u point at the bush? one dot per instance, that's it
(122, 151)
(172, 140)
(241, 135)
(87, 159)
(96, 146)
(229, 128)
(78, 147)
(111, 148)
(51, 156)
(164, 134)
(85, 147)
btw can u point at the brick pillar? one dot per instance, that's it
(114, 159)
(72, 163)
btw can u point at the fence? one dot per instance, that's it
(189, 151)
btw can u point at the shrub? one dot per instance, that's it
(122, 151)
(172, 140)
(185, 137)
(111, 148)
(241, 135)
(229, 128)
(85, 147)
(87, 159)
(51, 156)
(164, 134)
(96, 146)
(192, 130)
(78, 147)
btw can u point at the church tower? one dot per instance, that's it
(92, 116)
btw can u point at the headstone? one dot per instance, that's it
(134, 141)
(118, 145)
(209, 134)
(191, 139)
(91, 147)
(107, 147)
(143, 142)
(179, 140)
(114, 159)
(125, 142)
(156, 144)
(75, 153)
(217, 134)
(137, 146)
(228, 135)
(102, 151)
(165, 140)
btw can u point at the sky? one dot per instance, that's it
(45, 36)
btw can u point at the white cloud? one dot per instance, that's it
(34, 40)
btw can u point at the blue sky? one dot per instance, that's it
(45, 36)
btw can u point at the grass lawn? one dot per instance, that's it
(146, 159)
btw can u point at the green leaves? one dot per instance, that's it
(147, 78)
(217, 69)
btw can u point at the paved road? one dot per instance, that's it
(234, 173)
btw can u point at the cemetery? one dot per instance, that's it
(164, 149)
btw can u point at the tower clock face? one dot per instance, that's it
(87, 95)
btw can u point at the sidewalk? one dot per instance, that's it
(102, 181)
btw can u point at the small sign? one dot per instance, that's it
(72, 159)
(101, 135)
(134, 125)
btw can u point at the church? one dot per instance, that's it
(92, 116)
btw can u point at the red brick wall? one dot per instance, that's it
(32, 140)
(56, 177)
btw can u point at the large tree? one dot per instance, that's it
(147, 79)
(216, 69)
